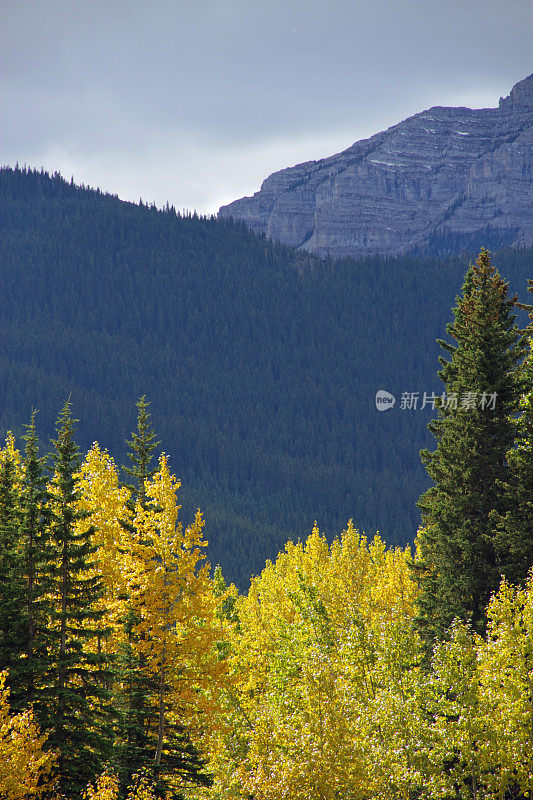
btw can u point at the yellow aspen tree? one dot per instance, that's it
(459, 728)
(141, 789)
(381, 651)
(102, 496)
(176, 627)
(506, 669)
(308, 668)
(25, 767)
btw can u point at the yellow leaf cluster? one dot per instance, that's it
(170, 587)
(506, 679)
(107, 788)
(323, 641)
(105, 502)
(25, 767)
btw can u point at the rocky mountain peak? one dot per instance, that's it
(439, 179)
(521, 94)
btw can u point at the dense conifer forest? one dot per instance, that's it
(260, 364)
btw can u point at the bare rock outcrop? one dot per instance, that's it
(446, 172)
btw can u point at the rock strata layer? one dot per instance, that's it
(446, 173)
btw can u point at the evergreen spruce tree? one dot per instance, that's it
(515, 529)
(136, 751)
(35, 517)
(79, 714)
(13, 621)
(459, 564)
(142, 444)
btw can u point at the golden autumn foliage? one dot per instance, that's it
(323, 639)
(12, 453)
(106, 501)
(478, 704)
(152, 565)
(172, 596)
(107, 788)
(506, 676)
(154, 573)
(327, 696)
(313, 686)
(25, 767)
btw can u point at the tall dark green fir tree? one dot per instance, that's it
(13, 621)
(79, 712)
(141, 446)
(459, 564)
(135, 751)
(35, 516)
(515, 529)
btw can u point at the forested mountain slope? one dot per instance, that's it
(261, 366)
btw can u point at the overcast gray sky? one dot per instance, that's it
(197, 101)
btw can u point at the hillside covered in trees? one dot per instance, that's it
(261, 364)
(348, 670)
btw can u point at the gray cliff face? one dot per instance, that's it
(443, 172)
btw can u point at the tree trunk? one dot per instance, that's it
(31, 627)
(62, 648)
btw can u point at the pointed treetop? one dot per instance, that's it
(64, 445)
(31, 438)
(142, 445)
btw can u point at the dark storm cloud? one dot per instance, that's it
(196, 101)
